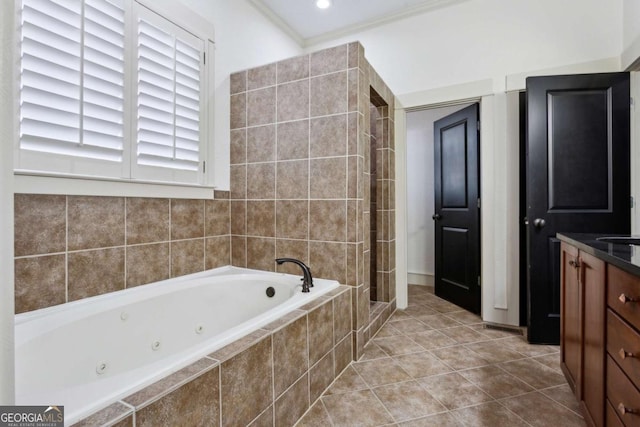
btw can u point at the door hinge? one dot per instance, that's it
(204, 167)
(632, 201)
(478, 202)
(479, 281)
(478, 124)
(204, 58)
(631, 101)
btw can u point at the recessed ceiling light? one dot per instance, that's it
(323, 4)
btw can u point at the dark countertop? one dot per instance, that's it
(623, 256)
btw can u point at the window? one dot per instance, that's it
(110, 88)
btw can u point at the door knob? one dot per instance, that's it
(436, 217)
(539, 223)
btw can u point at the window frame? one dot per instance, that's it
(82, 182)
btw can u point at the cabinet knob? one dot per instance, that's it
(624, 354)
(625, 299)
(624, 410)
(574, 263)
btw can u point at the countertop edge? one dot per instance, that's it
(582, 243)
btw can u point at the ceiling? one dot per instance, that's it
(307, 24)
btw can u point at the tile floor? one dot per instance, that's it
(434, 364)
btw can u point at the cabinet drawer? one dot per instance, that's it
(620, 285)
(612, 417)
(622, 394)
(623, 345)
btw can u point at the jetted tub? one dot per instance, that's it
(87, 354)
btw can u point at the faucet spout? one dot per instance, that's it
(307, 279)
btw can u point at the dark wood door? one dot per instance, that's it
(457, 213)
(577, 177)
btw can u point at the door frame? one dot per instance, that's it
(401, 188)
(499, 299)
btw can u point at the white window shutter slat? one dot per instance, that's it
(168, 79)
(72, 79)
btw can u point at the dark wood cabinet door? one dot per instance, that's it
(593, 276)
(571, 324)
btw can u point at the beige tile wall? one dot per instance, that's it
(300, 171)
(73, 247)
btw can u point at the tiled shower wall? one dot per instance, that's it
(73, 247)
(300, 172)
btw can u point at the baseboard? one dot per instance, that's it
(420, 279)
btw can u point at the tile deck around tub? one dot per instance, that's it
(435, 364)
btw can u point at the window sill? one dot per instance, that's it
(30, 183)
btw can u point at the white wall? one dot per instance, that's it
(420, 189)
(630, 32)
(481, 39)
(244, 39)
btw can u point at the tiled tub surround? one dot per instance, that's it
(267, 378)
(73, 247)
(111, 345)
(300, 172)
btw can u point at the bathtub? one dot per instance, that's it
(89, 353)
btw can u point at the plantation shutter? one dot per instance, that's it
(72, 85)
(169, 75)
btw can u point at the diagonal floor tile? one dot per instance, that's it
(533, 373)
(381, 371)
(407, 400)
(432, 339)
(420, 365)
(464, 334)
(316, 416)
(520, 345)
(396, 345)
(437, 321)
(360, 408)
(494, 333)
(496, 382)
(439, 420)
(372, 351)
(490, 414)
(454, 391)
(410, 326)
(465, 317)
(564, 396)
(459, 357)
(387, 331)
(443, 306)
(550, 360)
(529, 406)
(494, 353)
(348, 381)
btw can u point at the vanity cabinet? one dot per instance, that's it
(600, 335)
